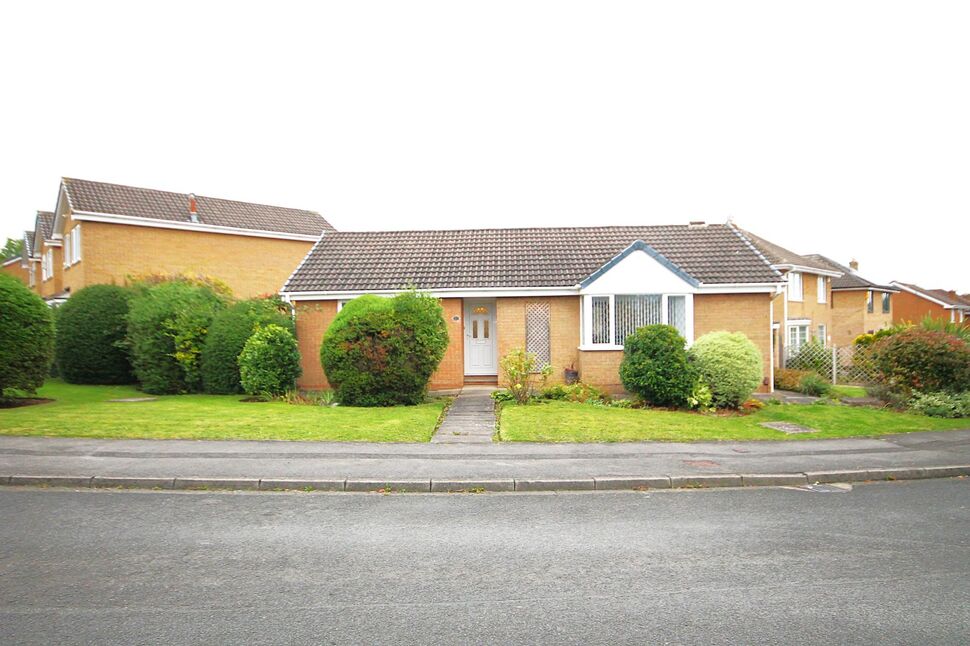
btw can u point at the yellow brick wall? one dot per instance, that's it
(563, 329)
(17, 271)
(850, 318)
(250, 266)
(54, 284)
(451, 371)
(601, 368)
(74, 278)
(810, 308)
(746, 313)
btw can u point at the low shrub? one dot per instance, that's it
(167, 326)
(813, 357)
(26, 337)
(383, 351)
(308, 398)
(701, 398)
(578, 392)
(91, 328)
(655, 366)
(941, 404)
(922, 360)
(787, 379)
(269, 363)
(812, 384)
(230, 329)
(731, 366)
(523, 375)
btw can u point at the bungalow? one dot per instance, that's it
(859, 306)
(915, 303)
(569, 295)
(129, 231)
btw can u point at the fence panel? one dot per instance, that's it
(848, 364)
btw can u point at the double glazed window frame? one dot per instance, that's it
(587, 317)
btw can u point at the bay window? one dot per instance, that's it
(609, 320)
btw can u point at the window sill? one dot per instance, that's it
(601, 348)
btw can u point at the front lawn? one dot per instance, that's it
(558, 421)
(84, 411)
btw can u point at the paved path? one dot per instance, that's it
(470, 418)
(355, 466)
(880, 564)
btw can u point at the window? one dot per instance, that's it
(869, 301)
(885, 303)
(611, 319)
(797, 337)
(537, 335)
(47, 265)
(822, 335)
(76, 244)
(67, 249)
(822, 288)
(795, 292)
(32, 271)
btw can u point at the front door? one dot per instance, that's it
(481, 351)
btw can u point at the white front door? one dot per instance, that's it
(481, 351)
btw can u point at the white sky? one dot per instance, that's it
(833, 127)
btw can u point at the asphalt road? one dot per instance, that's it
(884, 563)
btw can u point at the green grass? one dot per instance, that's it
(83, 411)
(571, 422)
(840, 391)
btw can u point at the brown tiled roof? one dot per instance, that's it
(115, 199)
(849, 278)
(45, 224)
(28, 244)
(506, 258)
(778, 255)
(951, 298)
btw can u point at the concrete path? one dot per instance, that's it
(350, 466)
(470, 418)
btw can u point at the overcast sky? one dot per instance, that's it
(834, 127)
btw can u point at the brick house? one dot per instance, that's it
(106, 233)
(569, 295)
(914, 303)
(803, 310)
(859, 305)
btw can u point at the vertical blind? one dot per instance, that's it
(634, 311)
(601, 319)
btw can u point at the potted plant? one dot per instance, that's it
(570, 374)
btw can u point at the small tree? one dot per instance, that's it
(731, 366)
(523, 374)
(26, 337)
(269, 363)
(91, 328)
(655, 366)
(13, 248)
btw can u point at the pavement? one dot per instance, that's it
(470, 419)
(494, 466)
(883, 563)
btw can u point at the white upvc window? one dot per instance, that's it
(822, 335)
(795, 292)
(32, 272)
(47, 264)
(68, 250)
(822, 289)
(797, 337)
(608, 319)
(76, 244)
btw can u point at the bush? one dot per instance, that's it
(383, 351)
(813, 357)
(787, 379)
(941, 404)
(812, 384)
(922, 360)
(655, 366)
(26, 337)
(730, 364)
(523, 375)
(167, 326)
(578, 392)
(91, 327)
(269, 363)
(230, 330)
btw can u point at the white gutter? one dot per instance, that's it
(808, 270)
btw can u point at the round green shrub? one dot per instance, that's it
(26, 337)
(730, 364)
(91, 328)
(167, 326)
(269, 363)
(813, 385)
(656, 367)
(230, 330)
(383, 351)
(917, 359)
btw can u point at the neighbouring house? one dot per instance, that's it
(569, 295)
(803, 310)
(859, 305)
(914, 303)
(108, 233)
(15, 267)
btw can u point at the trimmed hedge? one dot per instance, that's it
(230, 330)
(91, 328)
(269, 363)
(916, 359)
(383, 351)
(731, 366)
(656, 368)
(26, 337)
(167, 325)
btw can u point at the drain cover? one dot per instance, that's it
(787, 427)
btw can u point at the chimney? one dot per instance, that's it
(193, 213)
(854, 265)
